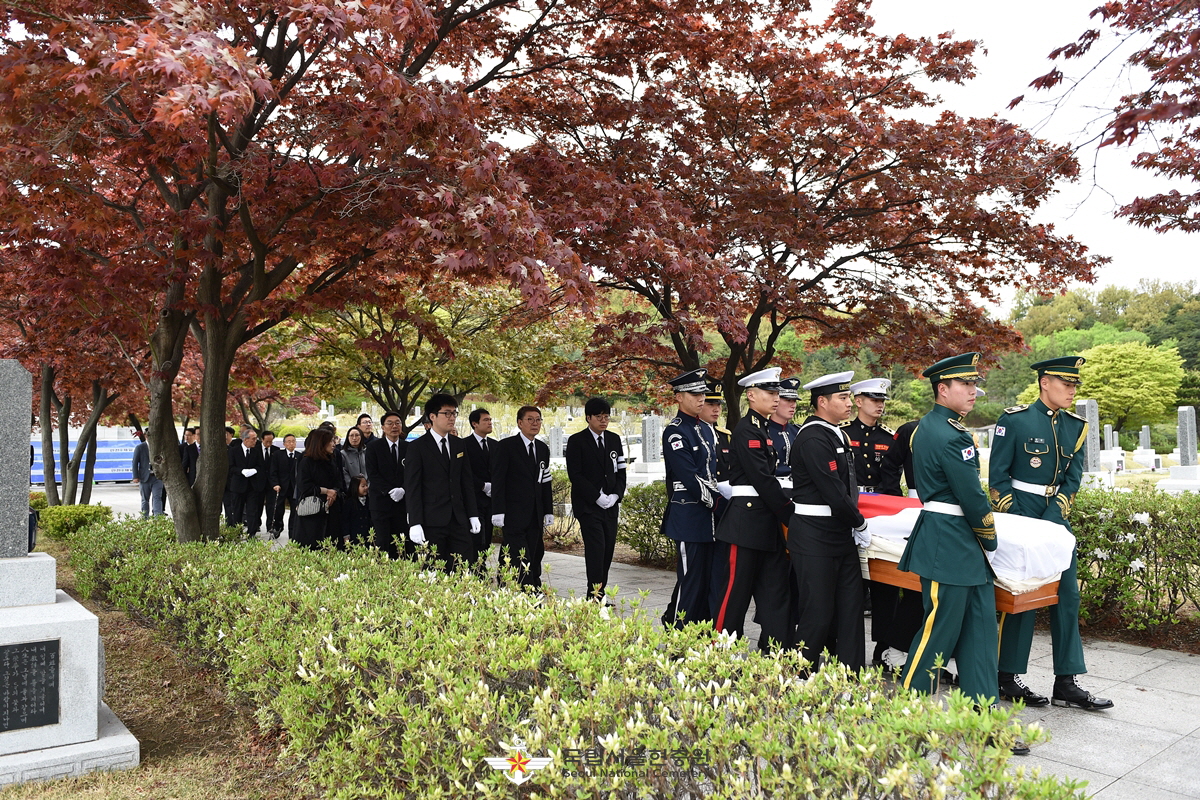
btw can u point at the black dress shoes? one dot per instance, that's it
(1012, 689)
(1069, 694)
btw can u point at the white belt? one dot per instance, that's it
(808, 510)
(1035, 488)
(943, 508)
(785, 482)
(741, 490)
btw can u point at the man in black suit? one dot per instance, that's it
(438, 488)
(247, 481)
(189, 454)
(269, 449)
(596, 467)
(385, 473)
(521, 499)
(479, 453)
(283, 483)
(228, 499)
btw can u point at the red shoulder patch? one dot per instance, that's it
(754, 443)
(833, 466)
(854, 443)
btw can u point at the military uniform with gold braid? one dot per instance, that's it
(947, 549)
(1035, 471)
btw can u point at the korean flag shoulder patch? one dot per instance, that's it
(999, 430)
(968, 453)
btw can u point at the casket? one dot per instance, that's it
(1029, 557)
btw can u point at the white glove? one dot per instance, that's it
(416, 534)
(475, 526)
(249, 472)
(487, 489)
(397, 494)
(606, 500)
(725, 489)
(862, 537)
(498, 520)
(547, 520)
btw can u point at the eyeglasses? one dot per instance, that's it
(600, 417)
(538, 420)
(392, 421)
(449, 414)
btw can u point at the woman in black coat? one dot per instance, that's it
(317, 475)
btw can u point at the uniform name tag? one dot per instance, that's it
(458, 455)
(754, 443)
(841, 450)
(884, 447)
(968, 453)
(853, 443)
(999, 430)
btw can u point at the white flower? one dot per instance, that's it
(1142, 517)
(1137, 565)
(342, 577)
(1130, 537)
(1100, 554)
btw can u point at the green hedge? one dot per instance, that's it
(59, 522)
(37, 500)
(1139, 555)
(387, 681)
(641, 524)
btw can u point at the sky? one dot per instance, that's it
(1018, 35)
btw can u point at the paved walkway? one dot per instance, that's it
(1146, 748)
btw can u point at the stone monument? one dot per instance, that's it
(1093, 474)
(1145, 454)
(651, 463)
(53, 721)
(1185, 477)
(556, 442)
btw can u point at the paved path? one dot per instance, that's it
(1146, 748)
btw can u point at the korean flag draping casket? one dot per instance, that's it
(1029, 557)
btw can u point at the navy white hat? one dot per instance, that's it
(829, 384)
(694, 382)
(790, 389)
(765, 379)
(872, 387)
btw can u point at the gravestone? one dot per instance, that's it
(1144, 438)
(53, 722)
(651, 439)
(556, 442)
(1145, 454)
(1187, 436)
(1093, 474)
(1108, 438)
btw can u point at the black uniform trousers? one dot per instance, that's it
(599, 532)
(690, 602)
(391, 534)
(831, 607)
(524, 549)
(741, 573)
(452, 544)
(896, 615)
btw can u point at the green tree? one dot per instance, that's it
(1189, 389)
(1182, 327)
(1133, 384)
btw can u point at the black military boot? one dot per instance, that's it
(1069, 694)
(1012, 689)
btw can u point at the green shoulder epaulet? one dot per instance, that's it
(1015, 409)
(725, 431)
(958, 426)
(1070, 413)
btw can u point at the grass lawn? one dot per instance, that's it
(195, 745)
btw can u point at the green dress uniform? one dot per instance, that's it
(1038, 448)
(1035, 471)
(947, 549)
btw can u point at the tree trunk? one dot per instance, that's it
(89, 470)
(87, 441)
(45, 419)
(69, 479)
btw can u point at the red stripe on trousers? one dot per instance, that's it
(728, 588)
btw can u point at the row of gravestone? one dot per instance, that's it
(1186, 436)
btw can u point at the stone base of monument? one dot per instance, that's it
(1147, 458)
(1112, 459)
(1183, 479)
(1097, 480)
(53, 722)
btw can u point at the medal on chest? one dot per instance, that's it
(1035, 462)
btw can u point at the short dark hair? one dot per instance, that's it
(329, 426)
(268, 433)
(361, 417)
(314, 445)
(287, 436)
(230, 431)
(383, 420)
(189, 430)
(438, 402)
(523, 410)
(477, 415)
(596, 405)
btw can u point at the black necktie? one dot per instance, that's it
(445, 452)
(483, 444)
(532, 455)
(395, 452)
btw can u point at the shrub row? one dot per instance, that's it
(390, 681)
(1139, 555)
(641, 524)
(59, 522)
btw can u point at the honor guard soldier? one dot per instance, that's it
(692, 494)
(711, 413)
(827, 527)
(870, 439)
(751, 560)
(949, 542)
(783, 430)
(1035, 472)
